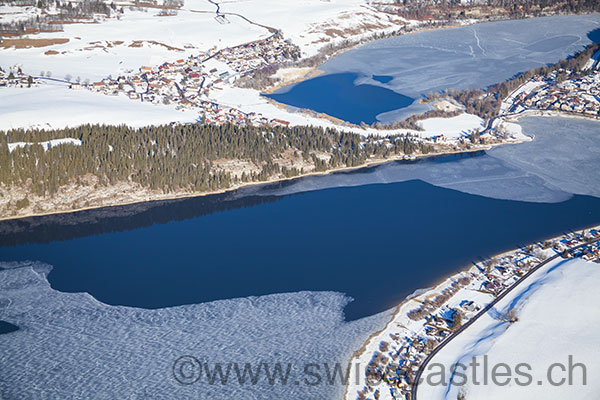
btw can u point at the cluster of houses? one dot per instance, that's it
(250, 56)
(189, 82)
(16, 79)
(398, 358)
(580, 96)
(591, 252)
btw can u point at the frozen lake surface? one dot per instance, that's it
(474, 56)
(561, 161)
(72, 346)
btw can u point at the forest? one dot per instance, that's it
(455, 9)
(182, 157)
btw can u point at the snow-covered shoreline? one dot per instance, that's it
(403, 341)
(544, 336)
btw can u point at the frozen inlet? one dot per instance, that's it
(560, 161)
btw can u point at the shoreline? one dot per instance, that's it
(549, 114)
(400, 317)
(316, 71)
(167, 197)
(369, 163)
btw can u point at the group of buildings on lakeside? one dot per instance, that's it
(189, 82)
(580, 96)
(402, 350)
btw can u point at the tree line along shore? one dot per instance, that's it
(173, 159)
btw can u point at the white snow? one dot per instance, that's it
(511, 128)
(313, 23)
(56, 106)
(94, 51)
(47, 144)
(557, 311)
(452, 128)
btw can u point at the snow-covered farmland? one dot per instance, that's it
(144, 37)
(136, 38)
(557, 310)
(56, 106)
(452, 128)
(314, 23)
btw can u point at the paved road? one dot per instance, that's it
(413, 391)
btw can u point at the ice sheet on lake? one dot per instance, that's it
(562, 160)
(565, 153)
(472, 56)
(71, 346)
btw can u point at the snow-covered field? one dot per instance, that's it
(313, 23)
(142, 37)
(557, 310)
(451, 128)
(137, 38)
(31, 108)
(57, 106)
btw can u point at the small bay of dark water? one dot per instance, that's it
(7, 327)
(338, 96)
(383, 78)
(377, 243)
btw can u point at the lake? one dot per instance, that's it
(338, 95)
(6, 327)
(472, 56)
(265, 272)
(376, 243)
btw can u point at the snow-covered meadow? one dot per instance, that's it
(141, 36)
(556, 310)
(55, 106)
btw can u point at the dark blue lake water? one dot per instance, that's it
(338, 96)
(383, 78)
(377, 243)
(6, 327)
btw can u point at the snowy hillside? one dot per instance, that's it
(555, 311)
(147, 37)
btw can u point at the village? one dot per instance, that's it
(189, 82)
(417, 331)
(16, 79)
(577, 96)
